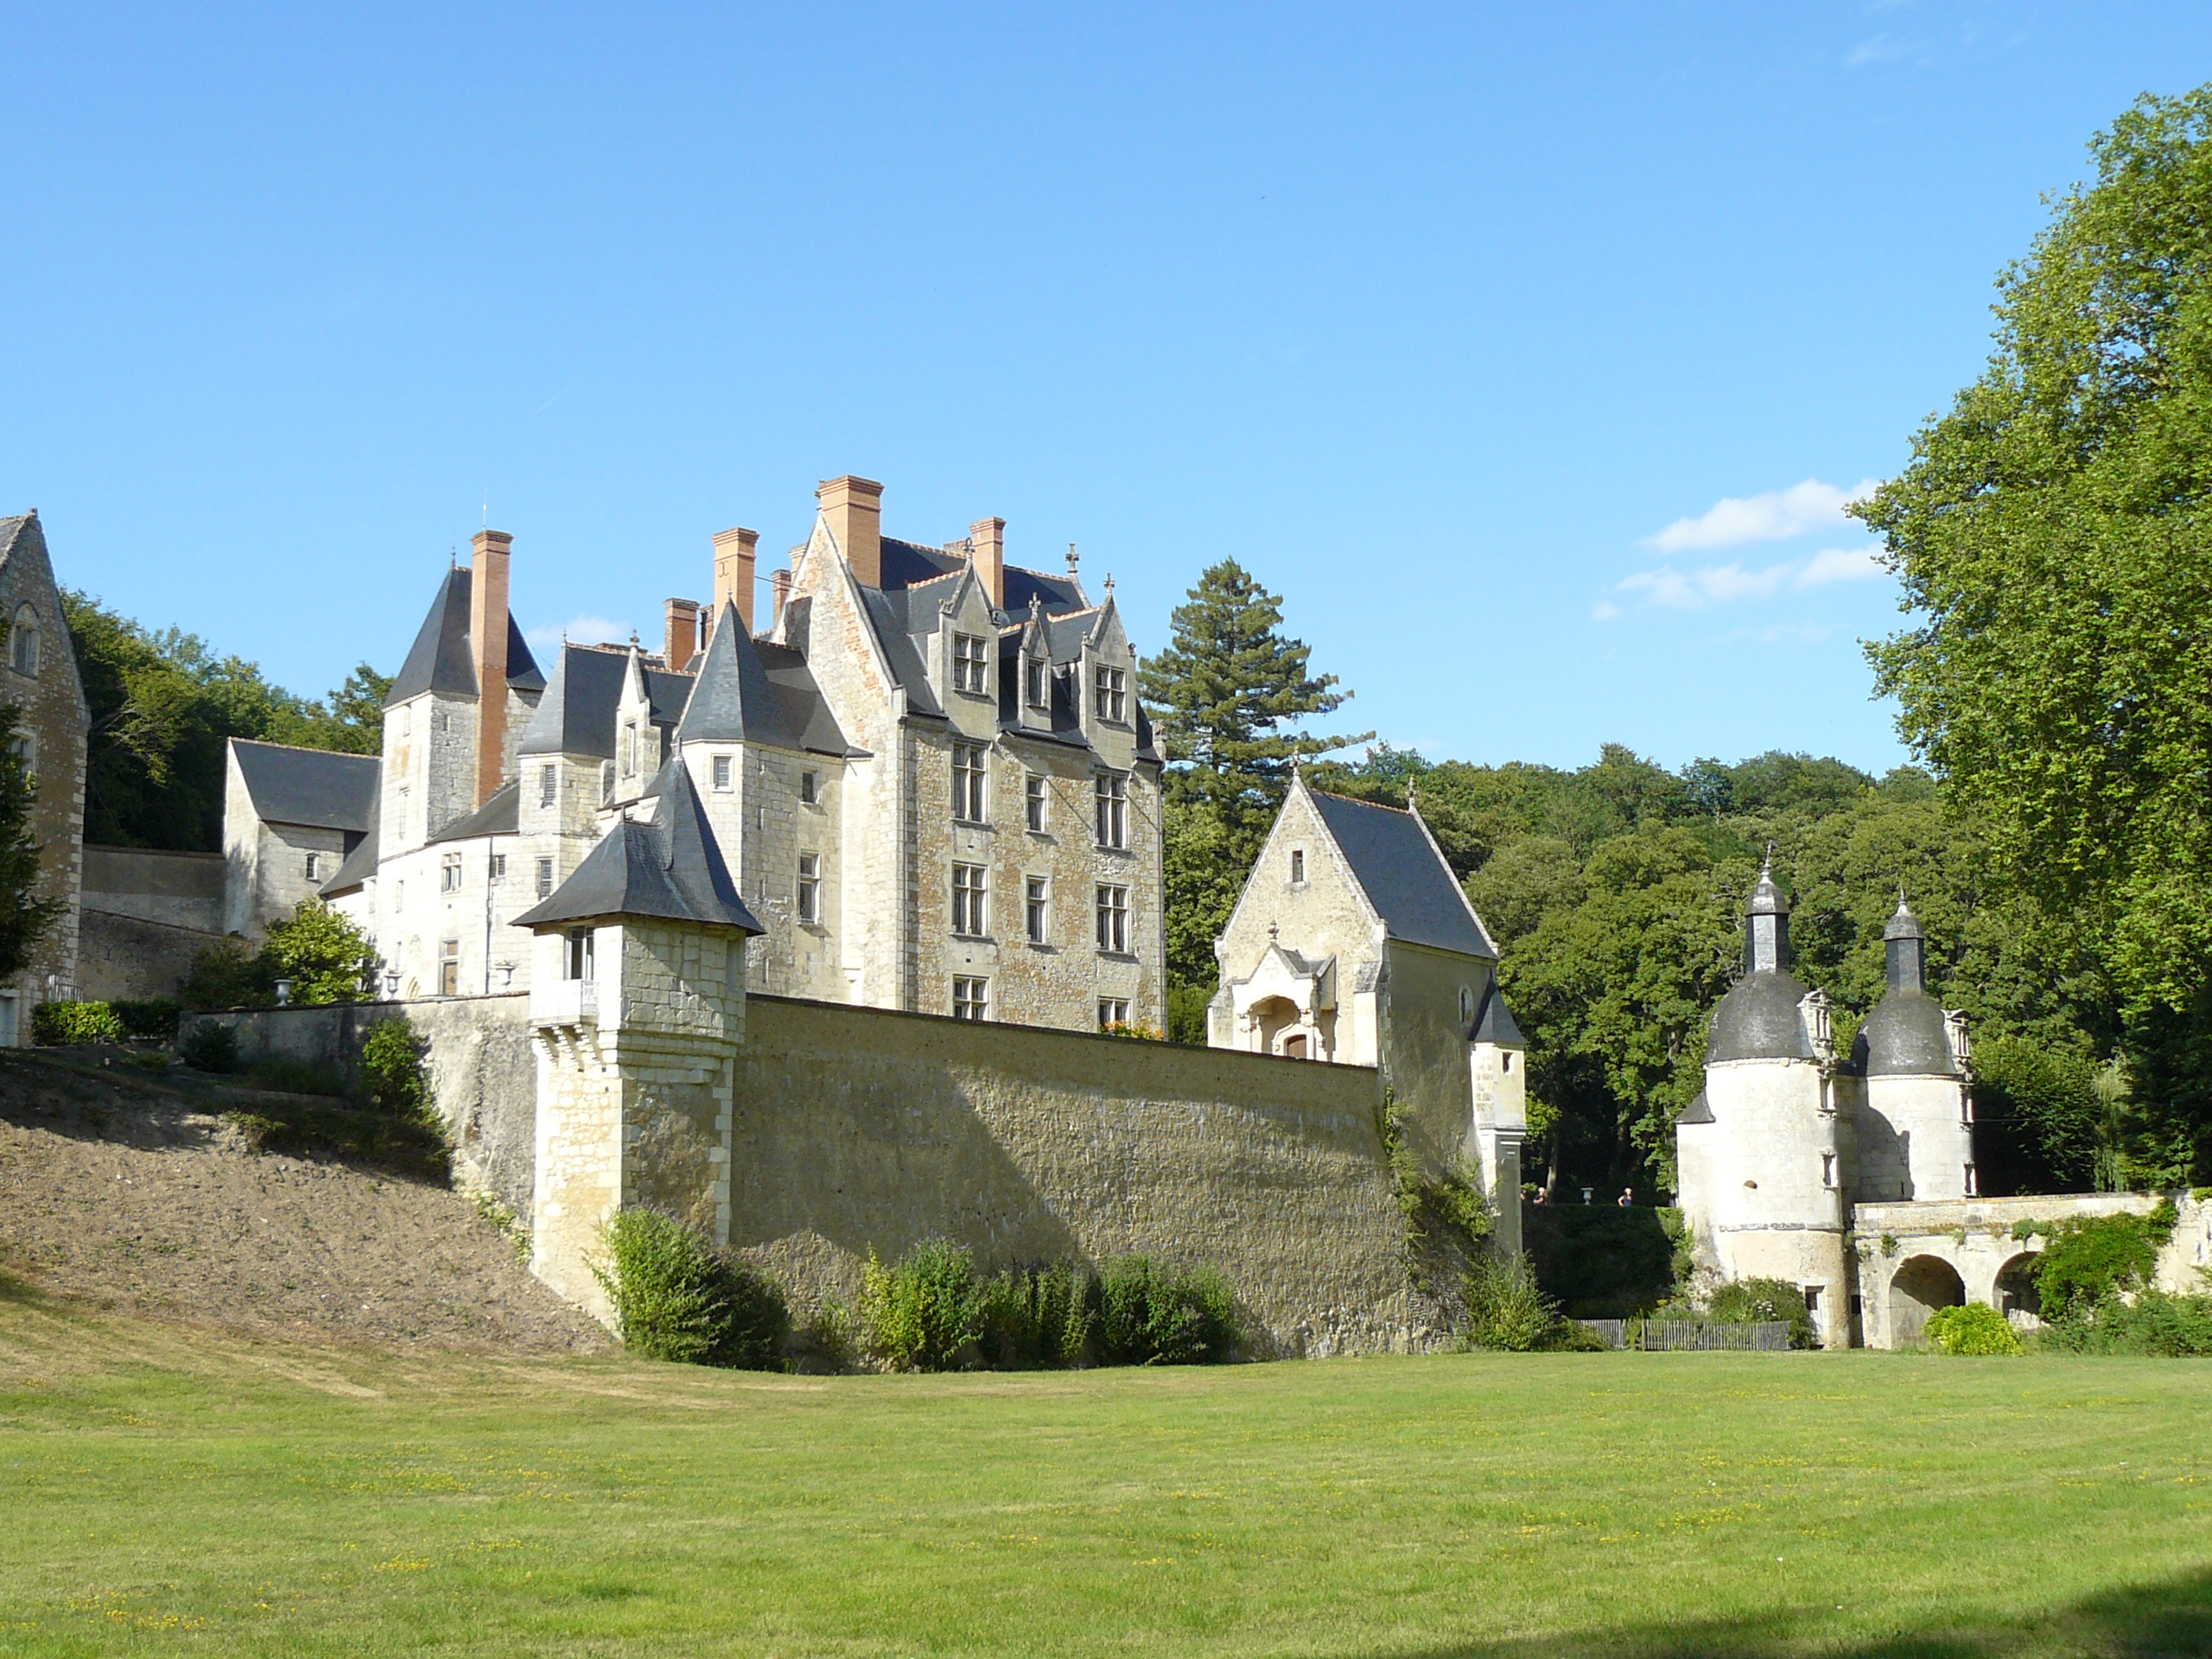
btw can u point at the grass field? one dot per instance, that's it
(168, 1490)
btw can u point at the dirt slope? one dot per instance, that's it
(136, 1194)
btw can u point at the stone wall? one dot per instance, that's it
(176, 889)
(124, 959)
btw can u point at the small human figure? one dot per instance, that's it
(1627, 1196)
(1539, 1198)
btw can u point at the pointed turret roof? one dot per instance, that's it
(1494, 1020)
(731, 700)
(671, 869)
(442, 660)
(1903, 925)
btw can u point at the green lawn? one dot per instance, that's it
(166, 1491)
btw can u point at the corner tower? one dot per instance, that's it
(1916, 1121)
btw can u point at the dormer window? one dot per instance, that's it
(548, 785)
(1039, 683)
(969, 670)
(1112, 701)
(810, 787)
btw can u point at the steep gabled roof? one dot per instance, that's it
(1403, 874)
(1494, 1020)
(314, 788)
(732, 701)
(441, 658)
(576, 713)
(499, 815)
(671, 869)
(361, 863)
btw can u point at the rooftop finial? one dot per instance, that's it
(1275, 931)
(1072, 560)
(1109, 581)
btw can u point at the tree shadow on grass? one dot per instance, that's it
(2170, 1620)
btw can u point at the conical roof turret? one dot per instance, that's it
(1906, 1034)
(1758, 1019)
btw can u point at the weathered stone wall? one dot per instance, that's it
(125, 959)
(860, 1128)
(177, 889)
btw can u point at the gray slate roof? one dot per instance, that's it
(576, 713)
(499, 815)
(442, 660)
(1494, 1020)
(669, 869)
(1905, 1036)
(312, 788)
(1698, 1111)
(731, 700)
(1405, 878)
(361, 863)
(1758, 1021)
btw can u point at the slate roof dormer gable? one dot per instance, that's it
(671, 869)
(577, 715)
(1402, 870)
(441, 658)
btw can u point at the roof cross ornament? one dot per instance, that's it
(1074, 559)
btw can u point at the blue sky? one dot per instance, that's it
(1529, 351)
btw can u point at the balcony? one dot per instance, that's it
(564, 1002)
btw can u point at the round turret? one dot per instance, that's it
(1758, 1019)
(1906, 1035)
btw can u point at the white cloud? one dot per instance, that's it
(1714, 585)
(586, 630)
(1605, 611)
(1773, 517)
(1839, 564)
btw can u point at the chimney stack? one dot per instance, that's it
(988, 536)
(733, 555)
(853, 508)
(487, 635)
(681, 634)
(780, 583)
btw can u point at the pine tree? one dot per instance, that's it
(25, 918)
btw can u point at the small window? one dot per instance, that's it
(314, 866)
(629, 747)
(1113, 792)
(1973, 1185)
(399, 894)
(605, 782)
(498, 867)
(548, 785)
(1114, 920)
(1033, 802)
(1827, 1169)
(969, 673)
(1113, 1011)
(22, 748)
(1505, 1061)
(969, 797)
(544, 878)
(970, 895)
(449, 967)
(971, 999)
(809, 887)
(809, 788)
(1039, 682)
(1812, 1298)
(449, 872)
(1466, 995)
(722, 774)
(1036, 906)
(576, 961)
(23, 642)
(1298, 872)
(406, 721)
(1113, 694)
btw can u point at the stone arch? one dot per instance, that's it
(1921, 1285)
(1273, 1019)
(2016, 1294)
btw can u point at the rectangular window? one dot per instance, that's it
(1827, 1169)
(721, 773)
(399, 894)
(1039, 684)
(810, 787)
(449, 872)
(968, 666)
(24, 748)
(548, 785)
(1113, 810)
(605, 782)
(498, 867)
(971, 999)
(969, 896)
(1973, 1186)
(1113, 694)
(577, 961)
(1037, 905)
(1297, 864)
(809, 887)
(629, 747)
(1812, 1298)
(1033, 802)
(314, 866)
(449, 967)
(968, 800)
(546, 878)
(1113, 1011)
(1114, 920)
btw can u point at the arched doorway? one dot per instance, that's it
(2019, 1299)
(1921, 1284)
(1271, 1016)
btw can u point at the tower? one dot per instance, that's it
(1916, 1120)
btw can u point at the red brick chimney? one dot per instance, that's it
(733, 556)
(487, 635)
(853, 508)
(681, 636)
(988, 536)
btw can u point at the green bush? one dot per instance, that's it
(326, 958)
(925, 1313)
(677, 1298)
(1507, 1309)
(394, 1076)
(2154, 1323)
(296, 1076)
(1037, 1319)
(211, 1047)
(1976, 1328)
(58, 1024)
(1152, 1313)
(1756, 1301)
(150, 1022)
(1601, 1261)
(227, 975)
(2087, 1261)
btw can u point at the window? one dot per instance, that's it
(1466, 1005)
(1297, 867)
(1038, 682)
(809, 788)
(1827, 1169)
(498, 867)
(546, 878)
(576, 961)
(1114, 920)
(629, 747)
(1037, 908)
(24, 748)
(1973, 1185)
(971, 999)
(449, 872)
(1113, 694)
(23, 642)
(548, 785)
(605, 782)
(399, 894)
(406, 721)
(809, 887)
(449, 967)
(1033, 802)
(721, 773)
(1113, 810)
(314, 866)
(1113, 1011)
(969, 896)
(967, 775)
(1812, 1298)
(967, 669)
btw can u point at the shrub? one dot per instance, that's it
(295, 1077)
(56, 1024)
(2154, 1323)
(1601, 1261)
(227, 975)
(1976, 1328)
(1756, 1301)
(1036, 1319)
(151, 1021)
(1132, 1030)
(394, 1077)
(211, 1047)
(327, 957)
(1186, 1012)
(923, 1314)
(1152, 1313)
(2087, 1261)
(677, 1298)
(1507, 1309)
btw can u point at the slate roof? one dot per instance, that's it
(1698, 1111)
(311, 787)
(907, 564)
(1405, 878)
(576, 713)
(499, 815)
(1494, 1020)
(360, 864)
(440, 659)
(669, 869)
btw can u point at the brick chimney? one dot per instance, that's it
(487, 636)
(681, 634)
(733, 555)
(779, 583)
(853, 507)
(988, 536)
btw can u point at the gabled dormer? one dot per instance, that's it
(1025, 678)
(964, 655)
(1105, 672)
(637, 741)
